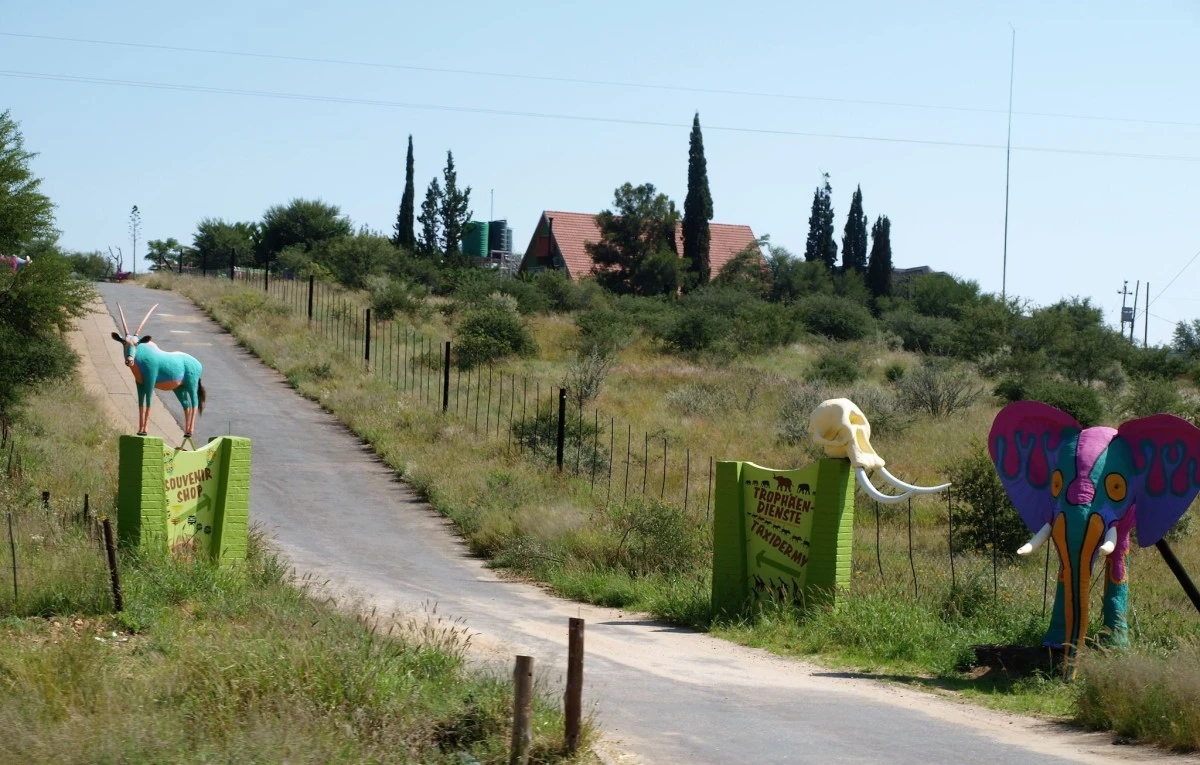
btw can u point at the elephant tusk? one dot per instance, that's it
(1110, 541)
(874, 493)
(1037, 541)
(909, 487)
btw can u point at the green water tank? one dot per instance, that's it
(475, 239)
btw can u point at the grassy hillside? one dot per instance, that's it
(205, 665)
(908, 614)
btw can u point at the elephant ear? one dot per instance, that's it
(1024, 444)
(1166, 471)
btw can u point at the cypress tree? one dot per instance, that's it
(406, 235)
(430, 210)
(697, 208)
(455, 204)
(820, 244)
(879, 269)
(854, 241)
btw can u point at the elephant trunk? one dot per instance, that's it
(1077, 548)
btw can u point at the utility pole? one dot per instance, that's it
(1126, 314)
(1012, 68)
(492, 204)
(1146, 319)
(1133, 315)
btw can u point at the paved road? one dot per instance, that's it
(662, 694)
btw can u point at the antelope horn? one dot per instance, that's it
(124, 324)
(138, 331)
(909, 487)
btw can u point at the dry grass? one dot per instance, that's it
(513, 506)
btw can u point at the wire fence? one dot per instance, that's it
(617, 461)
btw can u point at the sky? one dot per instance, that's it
(552, 105)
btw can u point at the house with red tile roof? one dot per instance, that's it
(560, 239)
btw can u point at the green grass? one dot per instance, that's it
(208, 665)
(514, 508)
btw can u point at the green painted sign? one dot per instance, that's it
(191, 480)
(185, 500)
(781, 533)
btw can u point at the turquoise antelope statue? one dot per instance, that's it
(152, 368)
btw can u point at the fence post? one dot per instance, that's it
(85, 510)
(45, 500)
(204, 263)
(522, 733)
(446, 380)
(562, 427)
(573, 703)
(232, 262)
(311, 279)
(367, 344)
(12, 543)
(118, 600)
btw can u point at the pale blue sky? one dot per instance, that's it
(1079, 223)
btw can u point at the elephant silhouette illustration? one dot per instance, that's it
(783, 482)
(804, 489)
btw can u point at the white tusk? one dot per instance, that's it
(124, 324)
(874, 493)
(1110, 541)
(1037, 541)
(909, 487)
(138, 331)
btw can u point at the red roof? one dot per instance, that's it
(573, 230)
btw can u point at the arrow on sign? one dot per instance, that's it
(762, 560)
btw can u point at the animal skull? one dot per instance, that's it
(842, 429)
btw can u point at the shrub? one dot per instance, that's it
(983, 514)
(242, 304)
(490, 333)
(698, 330)
(563, 294)
(894, 372)
(883, 408)
(836, 318)
(836, 365)
(1079, 401)
(391, 296)
(939, 387)
(921, 334)
(1151, 395)
(1162, 363)
(699, 398)
(586, 374)
(654, 538)
(1011, 389)
(759, 326)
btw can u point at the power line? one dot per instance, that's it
(1186, 266)
(578, 118)
(604, 83)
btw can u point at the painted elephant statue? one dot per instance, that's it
(1086, 489)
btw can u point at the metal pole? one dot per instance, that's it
(446, 380)
(562, 427)
(1137, 291)
(1146, 319)
(111, 550)
(311, 279)
(1168, 555)
(367, 344)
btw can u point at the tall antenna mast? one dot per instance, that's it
(1012, 68)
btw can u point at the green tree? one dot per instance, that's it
(135, 231)
(94, 266)
(430, 210)
(163, 254)
(304, 222)
(456, 205)
(405, 235)
(38, 304)
(697, 208)
(353, 259)
(792, 278)
(854, 240)
(26, 213)
(642, 225)
(820, 244)
(1186, 341)
(746, 271)
(879, 267)
(215, 241)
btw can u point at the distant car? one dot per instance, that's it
(121, 276)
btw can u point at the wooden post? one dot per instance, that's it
(12, 543)
(573, 703)
(118, 600)
(522, 732)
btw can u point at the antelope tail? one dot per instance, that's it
(203, 395)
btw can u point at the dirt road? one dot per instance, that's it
(661, 693)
